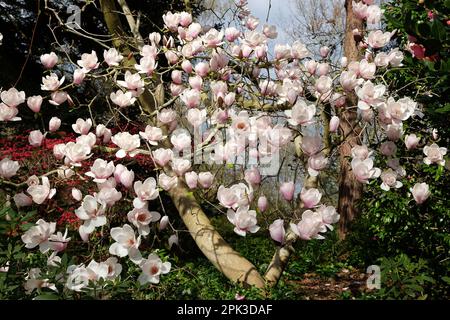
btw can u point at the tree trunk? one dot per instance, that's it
(350, 190)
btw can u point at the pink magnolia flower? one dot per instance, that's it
(92, 212)
(361, 152)
(367, 69)
(434, 154)
(75, 153)
(89, 61)
(191, 98)
(277, 231)
(411, 141)
(12, 97)
(186, 65)
(334, 123)
(152, 135)
(287, 190)
(78, 76)
(36, 138)
(322, 69)
(126, 243)
(8, 113)
(235, 196)
(388, 148)
(181, 141)
(309, 226)
(39, 235)
(364, 170)
(141, 219)
(112, 57)
(231, 34)
(377, 39)
(185, 18)
(324, 51)
(180, 166)
(54, 124)
(369, 94)
(244, 220)
(59, 97)
(389, 178)
(213, 38)
(122, 99)
(299, 51)
(145, 191)
(251, 22)
(359, 9)
(373, 14)
(262, 203)
(148, 64)
(108, 194)
(101, 170)
(282, 51)
(8, 168)
(252, 176)
(167, 182)
(124, 176)
(51, 82)
(205, 179)
(420, 192)
(133, 83)
(34, 103)
(310, 197)
(196, 117)
(49, 60)
(191, 179)
(22, 200)
(171, 20)
(329, 215)
(82, 126)
(127, 143)
(301, 113)
(40, 192)
(162, 156)
(163, 223)
(349, 80)
(152, 268)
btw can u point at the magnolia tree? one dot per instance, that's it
(232, 107)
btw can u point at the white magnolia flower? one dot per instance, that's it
(8, 168)
(127, 143)
(101, 170)
(34, 281)
(152, 268)
(145, 191)
(309, 227)
(244, 220)
(39, 235)
(92, 212)
(141, 219)
(40, 192)
(434, 154)
(126, 243)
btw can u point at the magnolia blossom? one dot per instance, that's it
(316, 163)
(8, 168)
(124, 176)
(311, 145)
(101, 170)
(309, 226)
(141, 218)
(147, 65)
(12, 97)
(122, 99)
(82, 126)
(277, 231)
(22, 200)
(181, 141)
(310, 197)
(262, 203)
(434, 154)
(162, 156)
(54, 124)
(287, 190)
(388, 148)
(39, 235)
(112, 57)
(420, 192)
(78, 76)
(369, 95)
(34, 103)
(196, 117)
(329, 215)
(205, 179)
(301, 113)
(79, 276)
(8, 113)
(59, 97)
(133, 83)
(152, 268)
(364, 170)
(400, 110)
(126, 243)
(75, 153)
(191, 98)
(34, 281)
(76, 194)
(167, 182)
(180, 166)
(89, 61)
(40, 192)
(389, 178)
(92, 212)
(191, 179)
(244, 220)
(377, 39)
(127, 143)
(323, 84)
(49, 60)
(411, 141)
(235, 196)
(361, 152)
(145, 191)
(59, 241)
